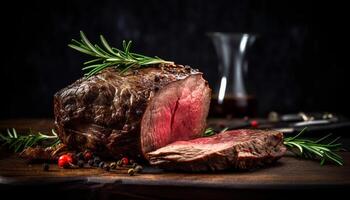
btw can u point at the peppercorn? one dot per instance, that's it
(254, 124)
(79, 156)
(131, 172)
(73, 158)
(125, 161)
(101, 164)
(113, 165)
(87, 155)
(97, 160)
(106, 167)
(80, 164)
(138, 168)
(91, 162)
(119, 163)
(134, 165)
(65, 161)
(46, 167)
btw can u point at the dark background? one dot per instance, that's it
(295, 62)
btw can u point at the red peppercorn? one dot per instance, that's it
(125, 161)
(87, 155)
(65, 161)
(69, 154)
(254, 123)
(72, 155)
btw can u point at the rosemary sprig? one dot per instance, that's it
(209, 132)
(19, 142)
(318, 149)
(305, 148)
(107, 56)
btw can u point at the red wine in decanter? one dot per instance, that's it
(233, 107)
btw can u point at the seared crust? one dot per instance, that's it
(44, 154)
(103, 113)
(238, 149)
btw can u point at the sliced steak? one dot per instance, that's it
(240, 149)
(130, 114)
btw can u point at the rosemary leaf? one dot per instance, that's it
(318, 149)
(336, 139)
(92, 61)
(323, 138)
(107, 56)
(305, 148)
(106, 45)
(208, 132)
(83, 50)
(18, 142)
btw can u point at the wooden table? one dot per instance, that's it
(287, 178)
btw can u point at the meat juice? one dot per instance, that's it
(233, 107)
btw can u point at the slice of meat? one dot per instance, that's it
(177, 112)
(240, 149)
(116, 115)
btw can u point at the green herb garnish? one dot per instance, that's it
(318, 149)
(308, 149)
(19, 142)
(209, 132)
(107, 56)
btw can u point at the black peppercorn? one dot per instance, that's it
(97, 160)
(106, 167)
(138, 168)
(46, 167)
(80, 156)
(91, 162)
(80, 164)
(101, 164)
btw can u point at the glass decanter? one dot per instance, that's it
(231, 95)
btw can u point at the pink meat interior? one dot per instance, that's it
(219, 141)
(177, 112)
(245, 142)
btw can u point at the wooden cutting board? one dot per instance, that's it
(286, 175)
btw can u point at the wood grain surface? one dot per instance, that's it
(288, 171)
(287, 174)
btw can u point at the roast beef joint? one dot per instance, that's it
(156, 113)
